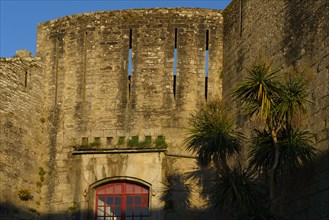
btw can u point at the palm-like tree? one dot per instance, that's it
(264, 96)
(213, 138)
(295, 150)
(250, 191)
(258, 93)
(212, 135)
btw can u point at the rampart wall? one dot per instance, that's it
(82, 90)
(87, 64)
(21, 130)
(91, 94)
(294, 36)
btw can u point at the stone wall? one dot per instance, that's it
(90, 97)
(85, 94)
(293, 35)
(86, 59)
(21, 132)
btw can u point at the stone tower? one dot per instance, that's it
(117, 90)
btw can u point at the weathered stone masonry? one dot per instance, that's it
(78, 91)
(86, 67)
(87, 96)
(294, 36)
(22, 135)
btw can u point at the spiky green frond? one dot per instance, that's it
(292, 99)
(258, 90)
(250, 192)
(212, 133)
(295, 150)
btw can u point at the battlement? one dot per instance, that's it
(125, 83)
(131, 73)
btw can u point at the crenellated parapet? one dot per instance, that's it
(130, 73)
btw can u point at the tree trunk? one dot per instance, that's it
(275, 164)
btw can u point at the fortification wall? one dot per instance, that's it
(21, 133)
(293, 35)
(90, 95)
(86, 59)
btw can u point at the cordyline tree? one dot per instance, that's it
(277, 146)
(215, 140)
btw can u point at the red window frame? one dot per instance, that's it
(122, 201)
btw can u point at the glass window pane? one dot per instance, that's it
(144, 191)
(117, 211)
(137, 211)
(145, 200)
(129, 200)
(101, 200)
(117, 201)
(129, 211)
(109, 200)
(109, 211)
(139, 189)
(145, 211)
(101, 191)
(109, 190)
(100, 211)
(117, 189)
(129, 188)
(138, 200)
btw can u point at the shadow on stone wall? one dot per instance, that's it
(178, 192)
(11, 212)
(306, 194)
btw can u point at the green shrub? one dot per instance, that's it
(160, 142)
(146, 143)
(121, 140)
(72, 208)
(42, 174)
(39, 184)
(94, 144)
(24, 194)
(133, 142)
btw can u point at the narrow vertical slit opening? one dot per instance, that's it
(130, 64)
(175, 72)
(206, 65)
(175, 38)
(130, 38)
(207, 39)
(25, 79)
(129, 86)
(206, 88)
(175, 64)
(174, 85)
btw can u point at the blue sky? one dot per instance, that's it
(19, 18)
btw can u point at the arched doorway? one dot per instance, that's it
(122, 201)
